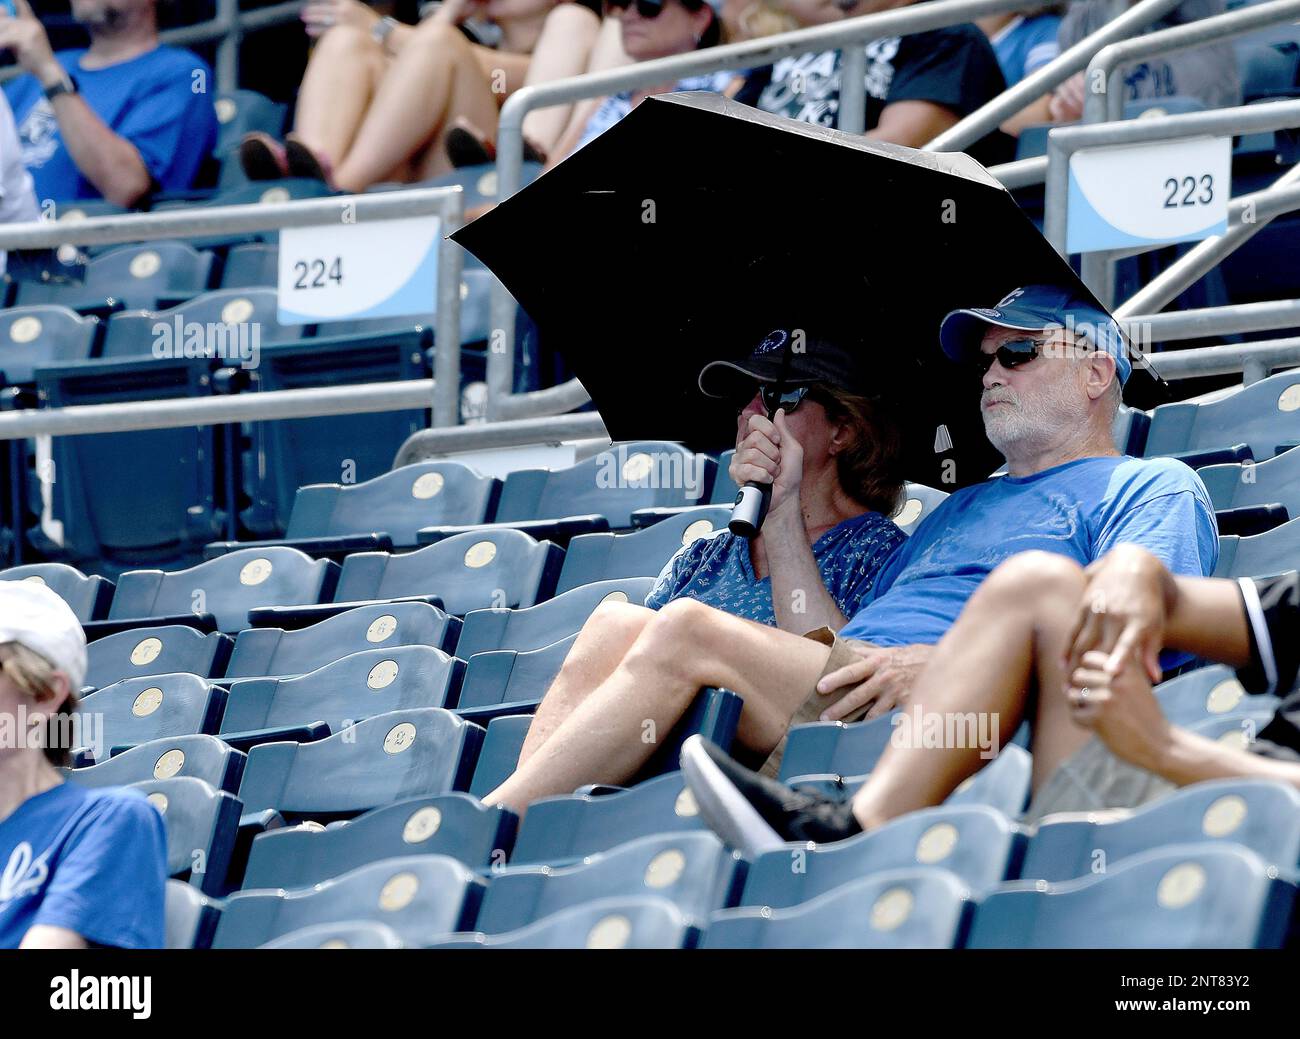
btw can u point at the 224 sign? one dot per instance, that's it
(316, 274)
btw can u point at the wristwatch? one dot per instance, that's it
(65, 84)
(383, 29)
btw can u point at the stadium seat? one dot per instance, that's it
(1246, 484)
(276, 653)
(87, 595)
(506, 681)
(1238, 729)
(918, 502)
(457, 825)
(472, 571)
(1267, 70)
(979, 846)
(1264, 416)
(418, 896)
(231, 325)
(360, 685)
(243, 193)
(200, 757)
(724, 487)
(385, 512)
(357, 934)
(692, 870)
(839, 748)
(130, 277)
(1207, 692)
(139, 710)
(1260, 555)
(226, 587)
(202, 824)
(244, 111)
(191, 917)
(642, 553)
(156, 651)
(536, 627)
(252, 265)
(500, 754)
(609, 923)
(40, 336)
(1184, 896)
(1259, 814)
(917, 908)
(364, 767)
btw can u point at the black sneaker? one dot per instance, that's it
(754, 814)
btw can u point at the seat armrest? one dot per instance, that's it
(291, 618)
(204, 622)
(332, 547)
(559, 531)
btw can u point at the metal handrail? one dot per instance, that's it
(448, 203)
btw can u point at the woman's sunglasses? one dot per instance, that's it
(645, 8)
(786, 398)
(1012, 354)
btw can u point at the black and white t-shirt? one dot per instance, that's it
(953, 67)
(1273, 609)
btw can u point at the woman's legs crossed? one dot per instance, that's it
(341, 79)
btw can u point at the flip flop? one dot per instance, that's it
(304, 163)
(262, 157)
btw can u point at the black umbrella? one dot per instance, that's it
(686, 231)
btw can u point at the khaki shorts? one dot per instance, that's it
(841, 654)
(1094, 779)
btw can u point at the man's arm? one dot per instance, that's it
(912, 123)
(45, 936)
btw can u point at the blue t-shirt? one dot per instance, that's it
(1025, 45)
(91, 860)
(617, 106)
(718, 572)
(1080, 509)
(158, 101)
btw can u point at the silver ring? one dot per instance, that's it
(1083, 694)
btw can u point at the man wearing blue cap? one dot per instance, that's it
(1051, 366)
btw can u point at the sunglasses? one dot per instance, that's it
(1012, 354)
(786, 399)
(645, 8)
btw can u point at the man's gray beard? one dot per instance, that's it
(1017, 425)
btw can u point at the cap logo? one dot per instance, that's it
(1012, 295)
(775, 339)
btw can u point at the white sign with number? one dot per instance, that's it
(377, 268)
(1152, 193)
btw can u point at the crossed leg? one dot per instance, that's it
(342, 76)
(609, 730)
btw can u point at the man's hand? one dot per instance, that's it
(767, 452)
(1119, 706)
(1126, 603)
(883, 678)
(319, 16)
(1066, 105)
(25, 37)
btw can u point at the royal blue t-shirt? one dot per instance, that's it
(159, 101)
(1080, 509)
(91, 860)
(718, 571)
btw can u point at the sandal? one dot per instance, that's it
(262, 157)
(304, 163)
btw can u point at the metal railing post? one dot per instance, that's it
(446, 336)
(228, 48)
(853, 88)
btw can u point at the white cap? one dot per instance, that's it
(34, 616)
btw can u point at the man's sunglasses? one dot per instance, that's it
(645, 8)
(1012, 354)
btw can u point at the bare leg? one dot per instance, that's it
(1008, 640)
(599, 648)
(563, 50)
(683, 648)
(607, 54)
(436, 75)
(344, 71)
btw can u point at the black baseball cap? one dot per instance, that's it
(813, 358)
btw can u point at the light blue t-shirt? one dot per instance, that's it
(1025, 45)
(717, 570)
(615, 107)
(1080, 509)
(91, 860)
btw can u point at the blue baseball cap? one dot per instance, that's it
(1035, 308)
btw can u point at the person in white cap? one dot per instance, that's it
(78, 867)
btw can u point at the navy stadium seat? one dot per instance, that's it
(503, 568)
(378, 761)
(692, 870)
(245, 111)
(232, 324)
(978, 845)
(202, 757)
(156, 651)
(418, 896)
(202, 824)
(500, 754)
(841, 748)
(252, 265)
(536, 627)
(505, 681)
(1238, 729)
(724, 487)
(1243, 485)
(226, 587)
(190, 917)
(642, 553)
(1207, 692)
(1264, 416)
(1260, 814)
(1183, 896)
(360, 685)
(40, 336)
(917, 908)
(351, 934)
(87, 595)
(645, 922)
(276, 653)
(1260, 555)
(132, 277)
(139, 710)
(457, 825)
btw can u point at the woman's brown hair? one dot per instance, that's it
(871, 468)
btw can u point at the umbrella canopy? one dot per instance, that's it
(692, 227)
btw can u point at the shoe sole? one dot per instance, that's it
(726, 810)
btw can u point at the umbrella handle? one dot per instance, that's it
(750, 510)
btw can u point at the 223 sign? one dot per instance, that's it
(317, 273)
(1195, 191)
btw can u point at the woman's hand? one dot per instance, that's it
(767, 452)
(1116, 702)
(1066, 105)
(456, 12)
(319, 16)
